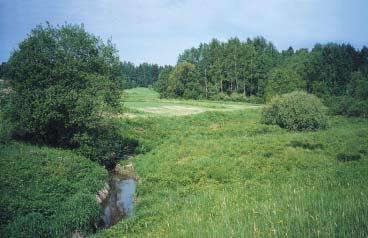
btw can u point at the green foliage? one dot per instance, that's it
(47, 192)
(143, 75)
(105, 143)
(63, 79)
(224, 67)
(281, 81)
(254, 67)
(237, 97)
(347, 105)
(328, 70)
(5, 130)
(179, 82)
(296, 111)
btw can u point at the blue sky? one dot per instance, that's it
(157, 31)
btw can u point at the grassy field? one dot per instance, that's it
(218, 173)
(223, 174)
(146, 102)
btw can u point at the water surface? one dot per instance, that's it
(119, 203)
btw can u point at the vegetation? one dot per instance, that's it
(47, 192)
(222, 174)
(64, 80)
(143, 75)
(238, 70)
(144, 102)
(296, 111)
(207, 168)
(282, 81)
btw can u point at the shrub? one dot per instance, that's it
(296, 111)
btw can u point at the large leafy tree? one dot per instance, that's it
(63, 81)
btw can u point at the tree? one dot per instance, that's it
(63, 80)
(182, 81)
(161, 85)
(280, 81)
(2, 69)
(329, 69)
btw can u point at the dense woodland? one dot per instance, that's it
(143, 75)
(255, 70)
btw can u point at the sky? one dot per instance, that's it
(157, 31)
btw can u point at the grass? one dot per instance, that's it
(220, 173)
(146, 102)
(47, 192)
(223, 174)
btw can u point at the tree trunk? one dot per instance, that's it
(244, 87)
(205, 82)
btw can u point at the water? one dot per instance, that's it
(119, 203)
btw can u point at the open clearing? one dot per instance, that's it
(146, 102)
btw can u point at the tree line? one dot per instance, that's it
(143, 75)
(254, 70)
(245, 70)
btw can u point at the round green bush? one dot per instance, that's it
(296, 111)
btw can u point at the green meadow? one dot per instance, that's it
(218, 173)
(224, 174)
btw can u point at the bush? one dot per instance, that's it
(296, 111)
(63, 81)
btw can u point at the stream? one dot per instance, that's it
(119, 202)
